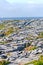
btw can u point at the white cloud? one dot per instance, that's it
(19, 8)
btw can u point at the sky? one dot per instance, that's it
(21, 8)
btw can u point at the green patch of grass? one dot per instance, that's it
(37, 62)
(40, 35)
(2, 26)
(4, 62)
(9, 31)
(2, 42)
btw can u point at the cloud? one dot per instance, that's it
(17, 8)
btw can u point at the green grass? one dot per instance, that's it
(37, 62)
(40, 35)
(2, 42)
(9, 31)
(2, 26)
(4, 62)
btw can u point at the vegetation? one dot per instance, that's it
(2, 42)
(30, 48)
(3, 62)
(40, 35)
(2, 26)
(9, 31)
(37, 62)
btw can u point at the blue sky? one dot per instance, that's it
(21, 8)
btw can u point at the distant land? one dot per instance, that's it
(19, 18)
